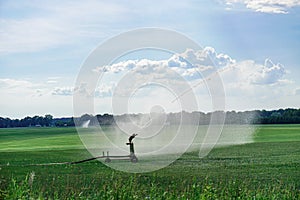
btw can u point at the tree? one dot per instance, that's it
(48, 119)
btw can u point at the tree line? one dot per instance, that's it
(36, 121)
(281, 116)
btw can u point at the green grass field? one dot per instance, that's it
(267, 168)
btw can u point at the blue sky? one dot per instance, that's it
(44, 43)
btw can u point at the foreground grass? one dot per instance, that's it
(266, 169)
(116, 186)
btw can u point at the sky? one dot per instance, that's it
(255, 45)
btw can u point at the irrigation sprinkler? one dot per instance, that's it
(132, 157)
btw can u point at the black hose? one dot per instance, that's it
(86, 160)
(61, 163)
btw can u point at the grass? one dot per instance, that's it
(268, 168)
(277, 133)
(26, 139)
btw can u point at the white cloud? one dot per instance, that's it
(117, 67)
(240, 78)
(269, 73)
(248, 84)
(207, 57)
(104, 90)
(244, 81)
(64, 91)
(20, 98)
(266, 6)
(188, 64)
(191, 63)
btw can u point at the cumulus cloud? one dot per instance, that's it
(266, 6)
(269, 73)
(248, 72)
(188, 64)
(206, 57)
(192, 64)
(245, 81)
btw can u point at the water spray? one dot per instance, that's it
(202, 81)
(150, 147)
